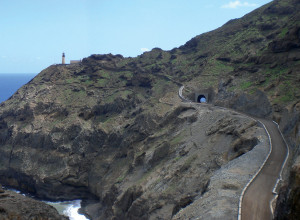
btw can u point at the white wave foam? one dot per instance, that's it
(72, 211)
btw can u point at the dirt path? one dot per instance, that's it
(256, 201)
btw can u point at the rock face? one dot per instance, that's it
(16, 206)
(150, 166)
(288, 204)
(112, 131)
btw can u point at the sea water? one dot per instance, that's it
(9, 84)
(69, 208)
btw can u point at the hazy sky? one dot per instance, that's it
(34, 33)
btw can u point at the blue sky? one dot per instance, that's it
(34, 33)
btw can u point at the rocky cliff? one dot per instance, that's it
(112, 131)
(16, 206)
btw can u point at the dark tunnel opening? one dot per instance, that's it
(202, 99)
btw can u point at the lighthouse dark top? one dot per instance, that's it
(63, 59)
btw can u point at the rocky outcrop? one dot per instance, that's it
(288, 203)
(16, 206)
(148, 167)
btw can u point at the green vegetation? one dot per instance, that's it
(101, 82)
(283, 32)
(177, 158)
(103, 74)
(121, 177)
(216, 67)
(245, 85)
(128, 74)
(70, 80)
(160, 86)
(179, 138)
(79, 79)
(274, 73)
(287, 92)
(119, 94)
(207, 81)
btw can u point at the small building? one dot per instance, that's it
(75, 61)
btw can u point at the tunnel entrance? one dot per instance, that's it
(203, 96)
(202, 99)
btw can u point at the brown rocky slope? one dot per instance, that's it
(15, 206)
(112, 131)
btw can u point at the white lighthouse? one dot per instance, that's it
(63, 59)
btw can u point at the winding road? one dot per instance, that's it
(256, 203)
(258, 194)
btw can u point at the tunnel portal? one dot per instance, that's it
(202, 99)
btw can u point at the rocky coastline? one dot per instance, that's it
(16, 206)
(113, 132)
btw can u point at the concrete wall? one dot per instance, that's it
(209, 94)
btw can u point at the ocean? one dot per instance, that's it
(11, 82)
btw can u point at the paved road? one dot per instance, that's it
(259, 194)
(257, 197)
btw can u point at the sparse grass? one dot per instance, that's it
(253, 90)
(70, 80)
(101, 82)
(125, 93)
(216, 67)
(111, 98)
(189, 161)
(121, 94)
(177, 158)
(207, 81)
(286, 98)
(275, 73)
(283, 32)
(245, 85)
(231, 89)
(171, 188)
(177, 139)
(121, 177)
(160, 86)
(104, 74)
(123, 62)
(89, 82)
(70, 97)
(287, 93)
(128, 74)
(79, 79)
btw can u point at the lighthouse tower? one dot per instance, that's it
(63, 59)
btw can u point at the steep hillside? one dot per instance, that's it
(112, 131)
